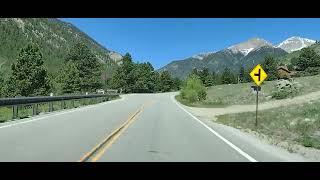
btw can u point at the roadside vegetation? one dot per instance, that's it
(131, 77)
(238, 94)
(296, 124)
(227, 88)
(193, 90)
(82, 73)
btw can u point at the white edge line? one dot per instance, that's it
(61, 113)
(217, 134)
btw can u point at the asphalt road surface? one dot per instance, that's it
(161, 130)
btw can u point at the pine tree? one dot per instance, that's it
(126, 72)
(156, 79)
(194, 71)
(142, 77)
(308, 58)
(166, 81)
(247, 77)
(70, 79)
(270, 67)
(241, 74)
(29, 76)
(176, 84)
(118, 79)
(203, 74)
(227, 77)
(294, 61)
(88, 66)
(127, 69)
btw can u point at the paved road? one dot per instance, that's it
(162, 131)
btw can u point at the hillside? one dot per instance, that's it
(53, 36)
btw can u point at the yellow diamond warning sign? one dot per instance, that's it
(258, 75)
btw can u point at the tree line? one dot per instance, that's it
(307, 62)
(81, 72)
(133, 77)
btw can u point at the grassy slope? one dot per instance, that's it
(234, 94)
(298, 124)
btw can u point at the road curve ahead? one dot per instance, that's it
(144, 127)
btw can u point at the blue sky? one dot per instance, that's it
(161, 40)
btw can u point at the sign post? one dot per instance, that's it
(256, 124)
(258, 75)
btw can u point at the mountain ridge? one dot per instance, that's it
(246, 54)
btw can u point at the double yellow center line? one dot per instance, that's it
(96, 153)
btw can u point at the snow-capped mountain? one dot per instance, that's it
(246, 47)
(295, 43)
(246, 54)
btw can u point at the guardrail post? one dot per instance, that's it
(50, 106)
(73, 103)
(14, 112)
(34, 109)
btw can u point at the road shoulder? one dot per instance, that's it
(251, 144)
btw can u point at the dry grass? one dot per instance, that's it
(298, 124)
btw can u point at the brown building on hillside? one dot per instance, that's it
(283, 72)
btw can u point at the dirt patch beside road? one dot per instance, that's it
(213, 112)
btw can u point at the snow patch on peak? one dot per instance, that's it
(200, 56)
(246, 47)
(295, 43)
(246, 51)
(197, 57)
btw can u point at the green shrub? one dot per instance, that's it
(281, 94)
(193, 90)
(285, 89)
(190, 95)
(311, 71)
(202, 94)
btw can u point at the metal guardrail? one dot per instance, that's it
(34, 101)
(42, 99)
